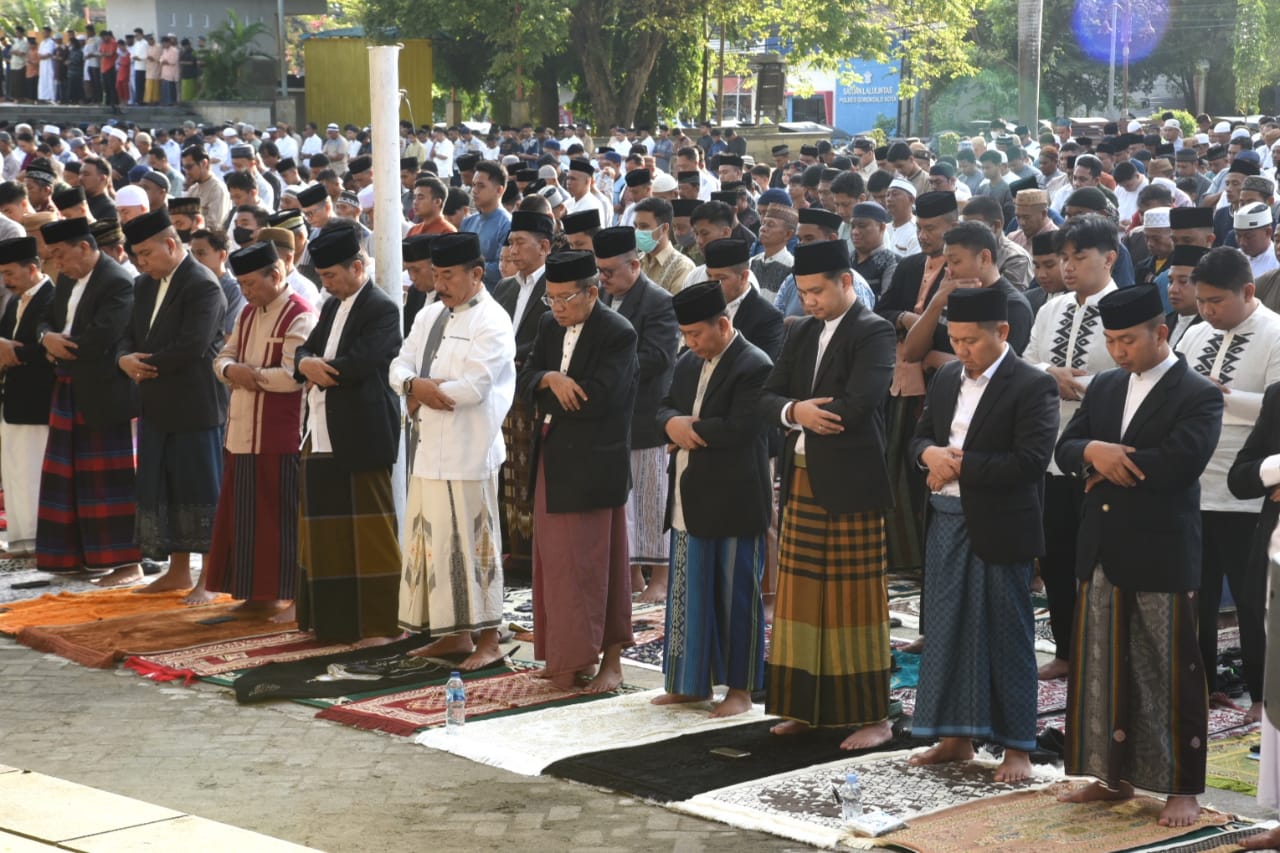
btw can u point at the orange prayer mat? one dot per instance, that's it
(102, 643)
(75, 608)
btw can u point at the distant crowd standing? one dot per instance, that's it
(1040, 360)
(96, 67)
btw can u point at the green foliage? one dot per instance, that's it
(226, 61)
(1186, 119)
(880, 132)
(35, 14)
(1254, 59)
(948, 143)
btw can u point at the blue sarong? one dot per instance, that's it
(978, 671)
(715, 614)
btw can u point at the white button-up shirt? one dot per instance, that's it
(971, 390)
(317, 417)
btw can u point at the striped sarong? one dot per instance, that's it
(978, 672)
(715, 615)
(647, 507)
(255, 533)
(452, 575)
(1137, 704)
(87, 492)
(348, 551)
(179, 475)
(829, 664)
(517, 503)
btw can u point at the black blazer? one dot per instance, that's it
(847, 470)
(648, 308)
(727, 488)
(186, 336)
(1006, 452)
(587, 453)
(507, 292)
(760, 323)
(104, 395)
(1146, 538)
(362, 412)
(28, 386)
(904, 287)
(414, 301)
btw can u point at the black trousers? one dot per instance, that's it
(109, 87)
(1226, 542)
(1063, 506)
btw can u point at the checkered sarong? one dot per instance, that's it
(829, 662)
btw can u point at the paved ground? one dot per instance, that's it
(276, 770)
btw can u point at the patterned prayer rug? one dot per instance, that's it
(72, 608)
(528, 743)
(1233, 765)
(100, 644)
(17, 564)
(801, 805)
(11, 582)
(406, 712)
(231, 655)
(1036, 822)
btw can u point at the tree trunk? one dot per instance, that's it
(615, 79)
(1030, 15)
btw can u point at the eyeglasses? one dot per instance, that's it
(553, 301)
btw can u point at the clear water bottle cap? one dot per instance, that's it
(455, 674)
(851, 779)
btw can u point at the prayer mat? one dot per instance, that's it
(379, 669)
(689, 765)
(17, 564)
(1212, 839)
(407, 711)
(101, 644)
(528, 743)
(76, 608)
(239, 654)
(1036, 822)
(1233, 765)
(9, 592)
(801, 805)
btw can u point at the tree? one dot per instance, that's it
(617, 44)
(232, 48)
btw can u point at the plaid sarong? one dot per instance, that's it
(517, 502)
(348, 551)
(829, 663)
(1137, 702)
(87, 492)
(255, 533)
(179, 474)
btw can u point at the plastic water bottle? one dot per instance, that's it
(455, 703)
(851, 798)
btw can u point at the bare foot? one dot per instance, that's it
(869, 737)
(915, 647)
(1056, 668)
(1016, 766)
(735, 702)
(1179, 811)
(199, 595)
(167, 582)
(1253, 714)
(486, 651)
(564, 680)
(451, 644)
(609, 678)
(948, 749)
(285, 616)
(1268, 840)
(637, 580)
(653, 594)
(768, 599)
(1097, 792)
(790, 727)
(371, 642)
(678, 699)
(121, 577)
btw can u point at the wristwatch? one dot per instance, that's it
(406, 387)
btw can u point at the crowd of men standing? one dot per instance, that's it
(608, 355)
